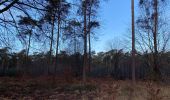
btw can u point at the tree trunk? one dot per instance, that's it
(51, 42)
(85, 44)
(3, 66)
(89, 37)
(57, 44)
(156, 65)
(75, 41)
(133, 41)
(89, 53)
(28, 49)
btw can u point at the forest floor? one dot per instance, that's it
(50, 88)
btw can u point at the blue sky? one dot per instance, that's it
(115, 18)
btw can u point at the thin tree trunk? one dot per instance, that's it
(85, 44)
(51, 42)
(133, 41)
(156, 66)
(3, 65)
(28, 49)
(89, 37)
(89, 53)
(75, 41)
(57, 45)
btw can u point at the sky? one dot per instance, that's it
(115, 19)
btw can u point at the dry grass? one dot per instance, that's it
(56, 88)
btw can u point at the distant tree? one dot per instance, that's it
(27, 28)
(62, 11)
(73, 33)
(50, 16)
(56, 12)
(152, 29)
(92, 23)
(4, 56)
(92, 6)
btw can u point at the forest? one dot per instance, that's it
(47, 51)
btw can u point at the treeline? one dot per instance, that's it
(19, 64)
(117, 64)
(114, 63)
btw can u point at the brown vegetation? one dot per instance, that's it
(29, 88)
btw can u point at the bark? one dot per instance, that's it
(89, 38)
(156, 64)
(51, 42)
(28, 49)
(57, 45)
(85, 44)
(133, 41)
(3, 66)
(29, 43)
(75, 41)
